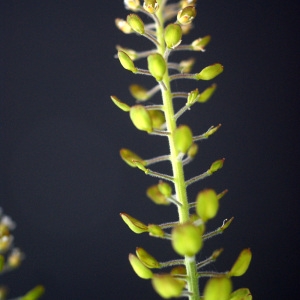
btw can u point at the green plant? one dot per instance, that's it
(186, 234)
(11, 258)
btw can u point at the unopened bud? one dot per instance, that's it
(207, 204)
(147, 259)
(140, 117)
(139, 268)
(151, 6)
(199, 44)
(134, 224)
(126, 62)
(173, 35)
(207, 93)
(210, 72)
(138, 92)
(156, 196)
(157, 66)
(167, 286)
(183, 138)
(136, 23)
(186, 15)
(218, 288)
(130, 157)
(242, 263)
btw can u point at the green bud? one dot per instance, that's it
(140, 117)
(241, 294)
(156, 196)
(131, 53)
(157, 117)
(128, 156)
(173, 35)
(136, 23)
(155, 230)
(139, 268)
(218, 288)
(133, 5)
(157, 66)
(151, 6)
(199, 44)
(123, 26)
(35, 293)
(186, 239)
(207, 204)
(217, 165)
(207, 93)
(148, 260)
(192, 97)
(210, 72)
(186, 15)
(134, 224)
(211, 131)
(183, 138)
(242, 263)
(193, 150)
(165, 188)
(138, 92)
(126, 62)
(120, 104)
(167, 286)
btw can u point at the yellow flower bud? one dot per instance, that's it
(173, 35)
(139, 268)
(134, 224)
(140, 117)
(167, 286)
(242, 263)
(157, 66)
(186, 239)
(218, 288)
(210, 72)
(207, 204)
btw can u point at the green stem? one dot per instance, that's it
(177, 166)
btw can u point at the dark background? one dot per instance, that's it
(64, 184)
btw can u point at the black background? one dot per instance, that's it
(64, 184)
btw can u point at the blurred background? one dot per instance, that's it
(62, 179)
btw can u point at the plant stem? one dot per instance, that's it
(177, 166)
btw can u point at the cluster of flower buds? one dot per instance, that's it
(169, 23)
(12, 257)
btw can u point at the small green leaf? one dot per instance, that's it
(218, 288)
(147, 259)
(120, 104)
(134, 224)
(34, 294)
(167, 286)
(136, 23)
(187, 239)
(126, 62)
(173, 35)
(183, 138)
(139, 268)
(242, 263)
(157, 66)
(140, 117)
(210, 72)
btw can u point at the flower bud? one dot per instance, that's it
(120, 104)
(133, 5)
(173, 35)
(184, 3)
(241, 294)
(140, 117)
(138, 92)
(207, 204)
(199, 44)
(167, 286)
(126, 62)
(242, 263)
(157, 66)
(193, 150)
(129, 157)
(183, 138)
(186, 239)
(165, 188)
(136, 23)
(151, 6)
(139, 268)
(155, 230)
(192, 97)
(148, 260)
(210, 72)
(157, 117)
(218, 288)
(131, 53)
(211, 131)
(123, 26)
(35, 293)
(207, 93)
(134, 224)
(156, 196)
(217, 165)
(186, 15)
